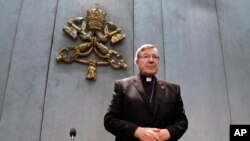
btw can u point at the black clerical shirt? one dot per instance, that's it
(150, 90)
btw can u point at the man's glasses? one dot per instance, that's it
(147, 57)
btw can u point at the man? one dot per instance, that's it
(143, 107)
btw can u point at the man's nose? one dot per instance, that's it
(151, 58)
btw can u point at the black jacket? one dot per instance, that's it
(129, 109)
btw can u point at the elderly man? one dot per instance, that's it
(144, 107)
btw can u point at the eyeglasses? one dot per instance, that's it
(147, 57)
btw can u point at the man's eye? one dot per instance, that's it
(155, 57)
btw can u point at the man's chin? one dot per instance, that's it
(151, 73)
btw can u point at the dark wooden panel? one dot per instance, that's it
(194, 60)
(23, 105)
(72, 101)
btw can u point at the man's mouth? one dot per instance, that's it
(151, 67)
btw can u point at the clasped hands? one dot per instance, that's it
(152, 134)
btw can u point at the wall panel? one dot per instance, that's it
(23, 105)
(71, 101)
(204, 47)
(9, 14)
(235, 35)
(194, 60)
(148, 28)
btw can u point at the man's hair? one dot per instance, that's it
(141, 48)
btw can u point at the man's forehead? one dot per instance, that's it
(146, 51)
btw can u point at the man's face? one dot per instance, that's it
(148, 61)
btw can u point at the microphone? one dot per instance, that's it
(72, 133)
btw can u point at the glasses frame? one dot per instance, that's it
(148, 57)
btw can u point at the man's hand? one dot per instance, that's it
(152, 134)
(147, 134)
(163, 134)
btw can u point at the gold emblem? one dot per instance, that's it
(95, 32)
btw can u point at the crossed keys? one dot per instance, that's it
(94, 32)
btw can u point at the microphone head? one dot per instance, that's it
(72, 132)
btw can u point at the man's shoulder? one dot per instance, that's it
(171, 87)
(127, 79)
(124, 83)
(165, 82)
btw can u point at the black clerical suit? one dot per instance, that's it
(131, 107)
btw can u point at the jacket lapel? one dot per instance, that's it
(160, 91)
(138, 85)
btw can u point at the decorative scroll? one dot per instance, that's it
(95, 32)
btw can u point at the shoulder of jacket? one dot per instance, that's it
(127, 79)
(125, 83)
(167, 83)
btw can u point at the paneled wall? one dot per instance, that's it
(204, 47)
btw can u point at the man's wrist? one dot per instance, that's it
(137, 132)
(165, 135)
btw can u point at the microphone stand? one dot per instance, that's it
(72, 134)
(72, 138)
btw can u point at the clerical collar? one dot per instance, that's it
(146, 78)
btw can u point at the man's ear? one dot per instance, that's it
(136, 62)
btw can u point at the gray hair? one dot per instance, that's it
(141, 48)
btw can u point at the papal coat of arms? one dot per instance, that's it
(95, 32)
